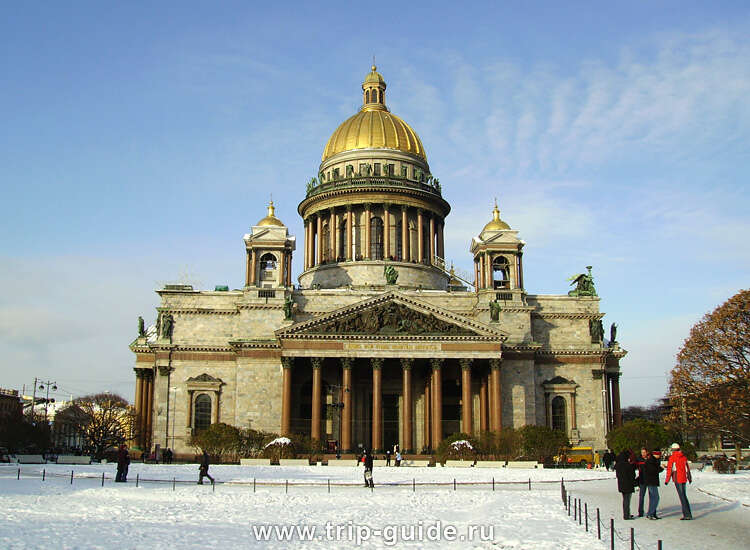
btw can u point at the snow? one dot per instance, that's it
(155, 515)
(461, 443)
(278, 441)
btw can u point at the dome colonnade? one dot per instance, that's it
(374, 201)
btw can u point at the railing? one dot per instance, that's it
(358, 181)
(266, 293)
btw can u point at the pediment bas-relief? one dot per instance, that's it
(390, 318)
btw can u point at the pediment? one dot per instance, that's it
(391, 315)
(205, 378)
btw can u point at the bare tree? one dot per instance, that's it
(710, 385)
(105, 420)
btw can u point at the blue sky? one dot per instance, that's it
(140, 142)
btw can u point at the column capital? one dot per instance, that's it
(465, 363)
(495, 364)
(287, 362)
(436, 363)
(316, 362)
(404, 207)
(139, 373)
(377, 363)
(349, 207)
(367, 205)
(387, 205)
(164, 370)
(347, 362)
(407, 363)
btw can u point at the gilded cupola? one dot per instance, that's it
(271, 218)
(374, 126)
(496, 224)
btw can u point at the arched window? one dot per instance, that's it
(500, 270)
(202, 414)
(325, 242)
(399, 241)
(558, 414)
(341, 252)
(267, 262)
(376, 239)
(367, 96)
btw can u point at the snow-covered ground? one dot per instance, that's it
(405, 510)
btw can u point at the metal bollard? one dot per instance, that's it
(71, 477)
(598, 526)
(413, 485)
(568, 505)
(632, 538)
(44, 473)
(253, 485)
(612, 533)
(19, 473)
(580, 509)
(529, 484)
(286, 487)
(493, 483)
(174, 481)
(136, 479)
(586, 511)
(658, 544)
(454, 483)
(102, 479)
(329, 485)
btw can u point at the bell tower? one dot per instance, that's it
(269, 249)
(498, 265)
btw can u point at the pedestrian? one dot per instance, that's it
(387, 457)
(597, 459)
(398, 458)
(607, 458)
(625, 481)
(368, 470)
(203, 470)
(651, 470)
(678, 469)
(123, 462)
(639, 462)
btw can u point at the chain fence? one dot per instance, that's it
(580, 514)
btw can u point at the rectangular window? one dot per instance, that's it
(390, 169)
(335, 173)
(376, 169)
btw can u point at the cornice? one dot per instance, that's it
(565, 315)
(197, 311)
(378, 337)
(254, 344)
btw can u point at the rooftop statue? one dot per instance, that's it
(391, 275)
(141, 327)
(584, 284)
(167, 323)
(494, 310)
(612, 335)
(289, 307)
(597, 331)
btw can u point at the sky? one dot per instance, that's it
(140, 141)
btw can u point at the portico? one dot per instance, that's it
(404, 374)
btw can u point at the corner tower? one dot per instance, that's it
(269, 249)
(374, 202)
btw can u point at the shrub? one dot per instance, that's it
(280, 447)
(724, 465)
(458, 446)
(541, 442)
(636, 434)
(220, 440)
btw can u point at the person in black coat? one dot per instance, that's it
(651, 470)
(203, 471)
(625, 472)
(607, 459)
(368, 470)
(123, 464)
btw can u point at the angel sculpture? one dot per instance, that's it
(584, 284)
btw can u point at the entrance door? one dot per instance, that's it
(390, 420)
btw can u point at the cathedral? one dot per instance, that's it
(378, 342)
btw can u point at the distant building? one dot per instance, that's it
(10, 403)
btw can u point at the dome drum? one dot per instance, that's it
(370, 274)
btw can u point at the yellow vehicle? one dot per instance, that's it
(576, 455)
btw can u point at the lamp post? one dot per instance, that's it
(339, 405)
(45, 386)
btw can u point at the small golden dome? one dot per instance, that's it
(496, 224)
(374, 127)
(374, 76)
(271, 219)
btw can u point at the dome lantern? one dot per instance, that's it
(373, 91)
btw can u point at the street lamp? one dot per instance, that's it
(46, 386)
(339, 405)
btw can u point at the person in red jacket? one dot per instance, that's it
(678, 469)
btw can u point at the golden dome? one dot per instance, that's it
(496, 224)
(271, 219)
(374, 126)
